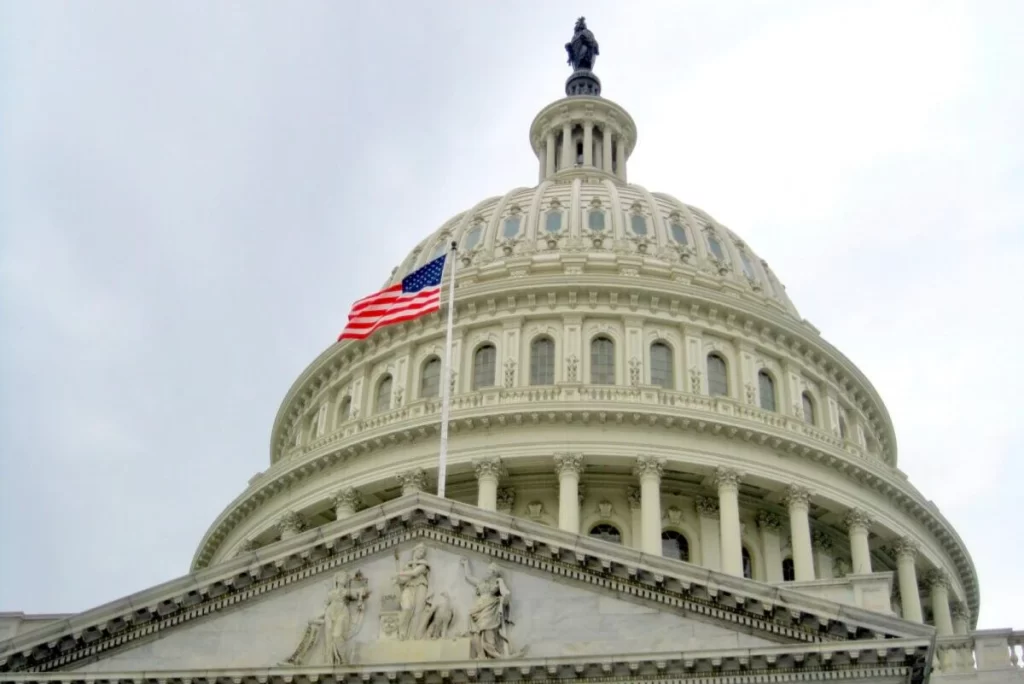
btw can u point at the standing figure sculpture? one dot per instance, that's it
(342, 618)
(489, 616)
(582, 48)
(412, 580)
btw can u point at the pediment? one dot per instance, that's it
(567, 597)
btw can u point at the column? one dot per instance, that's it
(858, 523)
(588, 143)
(637, 529)
(822, 545)
(488, 472)
(771, 545)
(728, 483)
(412, 481)
(707, 513)
(549, 155)
(798, 501)
(606, 148)
(569, 467)
(568, 158)
(346, 503)
(939, 585)
(290, 524)
(620, 158)
(648, 470)
(906, 555)
(961, 618)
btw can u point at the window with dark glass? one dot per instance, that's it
(842, 424)
(595, 220)
(675, 546)
(808, 406)
(661, 365)
(788, 571)
(606, 532)
(430, 378)
(678, 232)
(511, 228)
(718, 379)
(542, 361)
(553, 221)
(638, 222)
(766, 387)
(473, 237)
(715, 247)
(602, 361)
(748, 565)
(484, 365)
(345, 410)
(383, 401)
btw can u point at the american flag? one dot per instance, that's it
(418, 294)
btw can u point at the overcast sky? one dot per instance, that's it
(193, 194)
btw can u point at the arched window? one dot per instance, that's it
(430, 378)
(511, 228)
(675, 546)
(808, 406)
(484, 363)
(638, 222)
(678, 232)
(602, 361)
(718, 376)
(542, 361)
(345, 409)
(473, 237)
(595, 220)
(843, 432)
(748, 565)
(383, 402)
(788, 571)
(715, 246)
(766, 388)
(606, 532)
(748, 268)
(661, 365)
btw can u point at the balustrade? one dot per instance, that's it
(981, 651)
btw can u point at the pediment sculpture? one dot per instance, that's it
(342, 617)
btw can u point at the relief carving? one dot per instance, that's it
(341, 619)
(489, 615)
(412, 580)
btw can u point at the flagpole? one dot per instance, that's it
(446, 377)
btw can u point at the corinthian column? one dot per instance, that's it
(798, 501)
(412, 481)
(648, 470)
(858, 523)
(728, 483)
(636, 522)
(346, 503)
(961, 618)
(568, 158)
(769, 524)
(488, 472)
(906, 570)
(939, 585)
(707, 513)
(290, 524)
(569, 467)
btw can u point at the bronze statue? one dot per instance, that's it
(582, 48)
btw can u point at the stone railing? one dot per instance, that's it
(983, 651)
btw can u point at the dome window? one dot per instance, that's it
(788, 570)
(484, 366)
(766, 390)
(439, 251)
(678, 232)
(661, 365)
(748, 268)
(595, 220)
(473, 237)
(553, 220)
(345, 409)
(542, 361)
(808, 407)
(383, 402)
(606, 533)
(511, 227)
(718, 376)
(430, 378)
(675, 546)
(638, 223)
(602, 361)
(715, 246)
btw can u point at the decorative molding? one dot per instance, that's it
(414, 480)
(856, 518)
(821, 542)
(648, 466)
(347, 498)
(767, 520)
(936, 578)
(727, 478)
(905, 547)
(568, 463)
(673, 515)
(290, 522)
(535, 510)
(489, 466)
(706, 506)
(633, 498)
(506, 499)
(797, 497)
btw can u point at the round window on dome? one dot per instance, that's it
(595, 220)
(511, 227)
(678, 232)
(473, 237)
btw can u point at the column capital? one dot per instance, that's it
(568, 463)
(706, 506)
(506, 499)
(797, 497)
(855, 518)
(905, 547)
(290, 521)
(347, 497)
(633, 497)
(936, 578)
(488, 466)
(648, 466)
(727, 478)
(959, 611)
(414, 480)
(821, 541)
(767, 520)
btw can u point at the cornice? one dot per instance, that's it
(786, 613)
(583, 404)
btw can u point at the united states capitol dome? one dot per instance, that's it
(624, 368)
